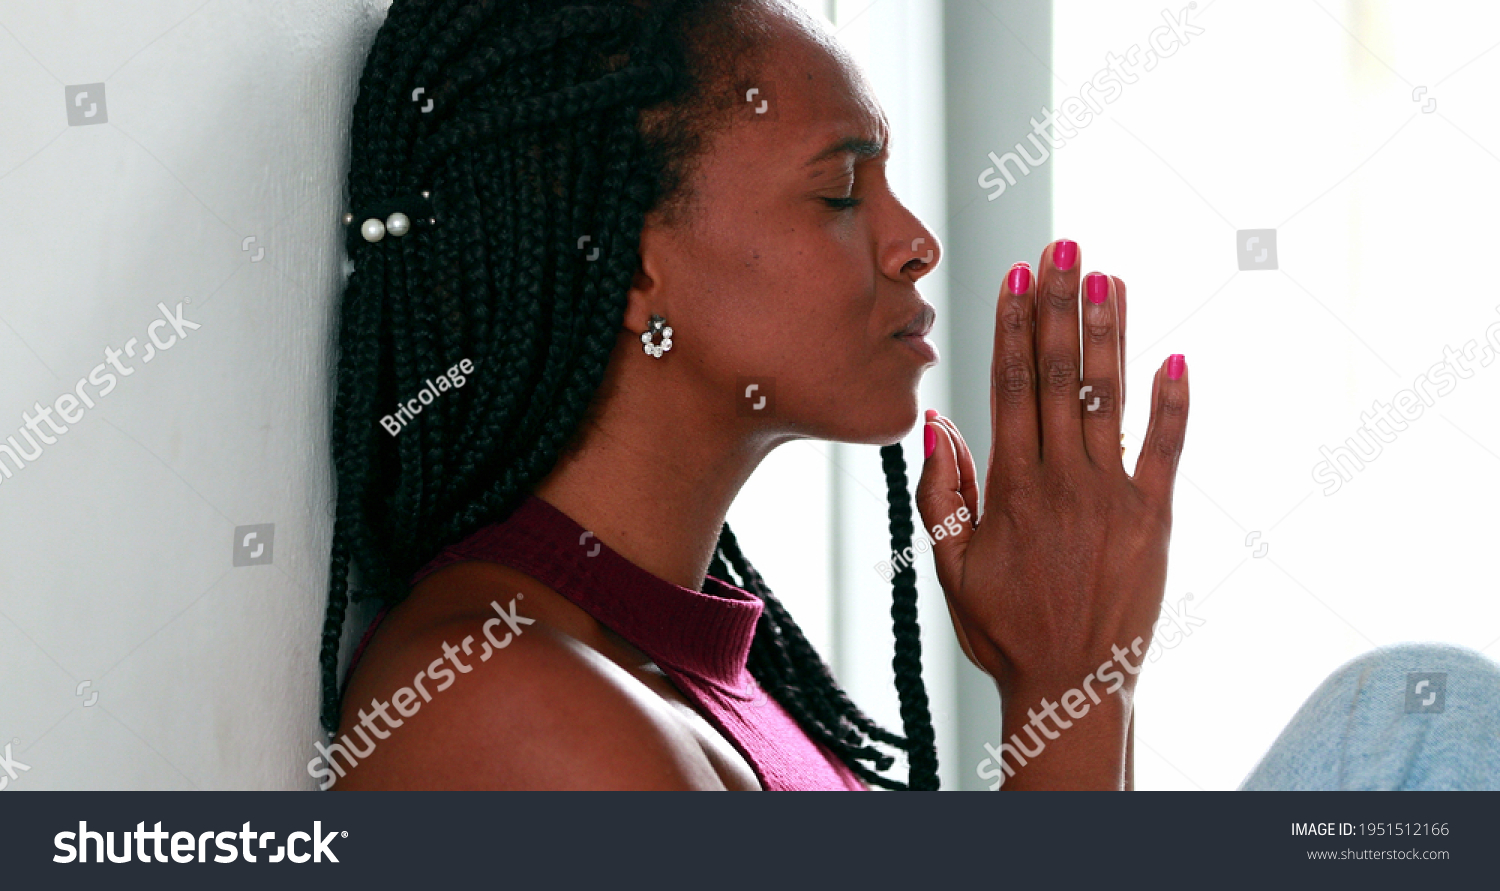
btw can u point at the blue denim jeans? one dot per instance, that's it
(1414, 716)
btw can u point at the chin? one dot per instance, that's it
(885, 419)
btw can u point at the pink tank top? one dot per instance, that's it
(699, 639)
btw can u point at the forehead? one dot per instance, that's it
(818, 96)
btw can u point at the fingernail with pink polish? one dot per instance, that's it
(929, 441)
(1019, 279)
(1096, 285)
(932, 414)
(1065, 254)
(1176, 365)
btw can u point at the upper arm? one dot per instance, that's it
(544, 712)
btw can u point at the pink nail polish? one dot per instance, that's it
(1019, 279)
(1176, 365)
(929, 441)
(1065, 254)
(1096, 285)
(932, 414)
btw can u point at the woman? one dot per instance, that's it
(616, 236)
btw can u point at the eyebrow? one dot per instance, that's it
(850, 145)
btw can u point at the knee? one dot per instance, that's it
(1424, 657)
(1408, 716)
(1392, 675)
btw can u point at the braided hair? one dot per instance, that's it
(532, 123)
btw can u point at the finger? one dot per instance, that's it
(1120, 312)
(1098, 403)
(938, 501)
(968, 482)
(1057, 357)
(1015, 441)
(1120, 304)
(1156, 468)
(966, 486)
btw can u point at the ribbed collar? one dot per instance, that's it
(704, 633)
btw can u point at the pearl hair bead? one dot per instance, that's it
(396, 223)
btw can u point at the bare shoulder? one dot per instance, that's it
(498, 699)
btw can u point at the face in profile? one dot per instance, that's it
(795, 265)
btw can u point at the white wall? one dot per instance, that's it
(209, 174)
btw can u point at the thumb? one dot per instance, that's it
(944, 512)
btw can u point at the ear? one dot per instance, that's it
(648, 289)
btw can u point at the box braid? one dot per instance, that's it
(544, 122)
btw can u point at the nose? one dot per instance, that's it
(922, 257)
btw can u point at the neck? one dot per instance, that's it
(653, 475)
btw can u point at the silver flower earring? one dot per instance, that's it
(658, 324)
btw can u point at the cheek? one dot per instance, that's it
(787, 298)
(798, 305)
(825, 312)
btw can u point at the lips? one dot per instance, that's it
(914, 334)
(920, 324)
